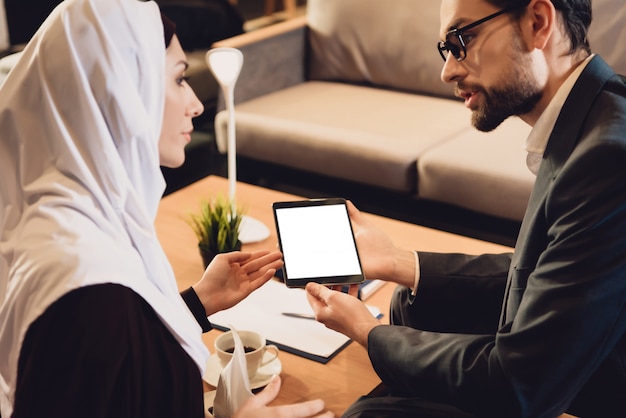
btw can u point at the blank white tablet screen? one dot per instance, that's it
(317, 241)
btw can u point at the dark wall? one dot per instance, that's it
(25, 16)
(199, 23)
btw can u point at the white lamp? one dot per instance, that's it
(225, 64)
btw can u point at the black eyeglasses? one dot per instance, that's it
(455, 44)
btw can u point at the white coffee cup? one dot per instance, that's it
(255, 348)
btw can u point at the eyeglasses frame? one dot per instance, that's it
(458, 33)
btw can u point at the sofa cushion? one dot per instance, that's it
(355, 40)
(371, 41)
(4, 29)
(7, 63)
(368, 135)
(484, 172)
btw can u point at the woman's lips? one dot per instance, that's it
(187, 136)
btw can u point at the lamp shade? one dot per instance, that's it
(225, 65)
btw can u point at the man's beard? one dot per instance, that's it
(510, 100)
(518, 95)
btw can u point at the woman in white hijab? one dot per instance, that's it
(91, 322)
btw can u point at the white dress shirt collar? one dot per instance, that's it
(538, 139)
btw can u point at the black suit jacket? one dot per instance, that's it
(560, 343)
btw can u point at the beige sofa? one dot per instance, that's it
(352, 91)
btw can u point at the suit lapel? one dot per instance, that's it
(562, 141)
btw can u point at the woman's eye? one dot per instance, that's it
(183, 79)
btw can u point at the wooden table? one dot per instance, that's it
(348, 375)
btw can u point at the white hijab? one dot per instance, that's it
(80, 182)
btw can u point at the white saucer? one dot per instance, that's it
(252, 230)
(260, 379)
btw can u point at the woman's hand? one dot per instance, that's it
(232, 276)
(341, 312)
(256, 406)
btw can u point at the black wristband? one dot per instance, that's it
(197, 309)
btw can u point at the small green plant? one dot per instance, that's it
(216, 225)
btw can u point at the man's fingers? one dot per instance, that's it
(353, 212)
(353, 290)
(312, 295)
(318, 291)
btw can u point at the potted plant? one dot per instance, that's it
(216, 226)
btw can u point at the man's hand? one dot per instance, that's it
(341, 312)
(380, 258)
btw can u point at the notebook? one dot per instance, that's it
(263, 310)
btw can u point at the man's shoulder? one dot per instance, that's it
(615, 82)
(609, 87)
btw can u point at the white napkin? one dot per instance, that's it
(233, 386)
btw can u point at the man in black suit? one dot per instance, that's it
(539, 332)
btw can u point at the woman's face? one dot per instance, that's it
(181, 105)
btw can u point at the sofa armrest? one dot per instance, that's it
(274, 58)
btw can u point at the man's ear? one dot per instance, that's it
(543, 21)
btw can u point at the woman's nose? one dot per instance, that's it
(196, 107)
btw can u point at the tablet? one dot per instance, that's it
(317, 242)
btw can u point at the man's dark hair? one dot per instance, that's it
(576, 18)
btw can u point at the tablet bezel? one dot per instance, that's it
(327, 280)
